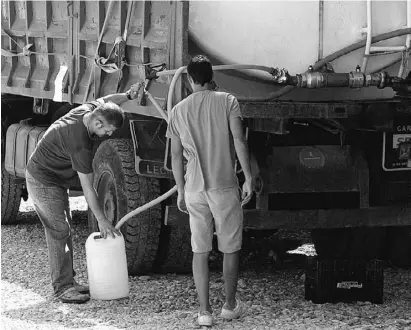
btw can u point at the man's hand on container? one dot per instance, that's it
(106, 228)
(181, 203)
(247, 192)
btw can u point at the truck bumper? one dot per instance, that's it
(310, 219)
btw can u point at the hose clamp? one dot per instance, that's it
(315, 80)
(301, 80)
(368, 80)
(383, 76)
(356, 79)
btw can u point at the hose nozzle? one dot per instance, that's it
(280, 76)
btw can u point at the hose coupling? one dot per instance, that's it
(379, 79)
(311, 80)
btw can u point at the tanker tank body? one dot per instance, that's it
(327, 159)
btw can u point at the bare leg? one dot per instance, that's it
(201, 280)
(230, 273)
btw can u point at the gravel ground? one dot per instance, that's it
(271, 285)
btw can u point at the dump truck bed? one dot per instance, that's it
(49, 48)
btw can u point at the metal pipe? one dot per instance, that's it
(388, 49)
(368, 30)
(321, 29)
(408, 40)
(70, 54)
(352, 80)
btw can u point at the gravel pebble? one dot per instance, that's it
(274, 297)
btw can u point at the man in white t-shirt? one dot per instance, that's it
(206, 128)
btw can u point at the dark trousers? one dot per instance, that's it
(52, 206)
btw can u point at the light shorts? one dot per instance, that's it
(224, 206)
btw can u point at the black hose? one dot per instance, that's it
(358, 45)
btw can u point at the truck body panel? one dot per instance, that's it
(65, 37)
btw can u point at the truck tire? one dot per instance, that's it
(10, 191)
(175, 247)
(10, 198)
(349, 243)
(121, 190)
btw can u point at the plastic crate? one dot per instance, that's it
(344, 280)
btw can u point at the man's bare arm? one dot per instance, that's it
(120, 98)
(116, 98)
(177, 162)
(241, 147)
(178, 171)
(91, 197)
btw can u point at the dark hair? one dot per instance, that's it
(200, 70)
(112, 113)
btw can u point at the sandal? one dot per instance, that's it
(230, 314)
(205, 319)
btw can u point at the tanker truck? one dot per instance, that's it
(324, 89)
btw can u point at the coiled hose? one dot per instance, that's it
(276, 94)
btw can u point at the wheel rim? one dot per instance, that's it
(107, 196)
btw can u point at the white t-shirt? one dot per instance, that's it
(201, 121)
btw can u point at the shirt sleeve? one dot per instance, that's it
(233, 107)
(171, 127)
(82, 161)
(92, 105)
(100, 100)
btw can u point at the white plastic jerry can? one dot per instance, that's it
(107, 267)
